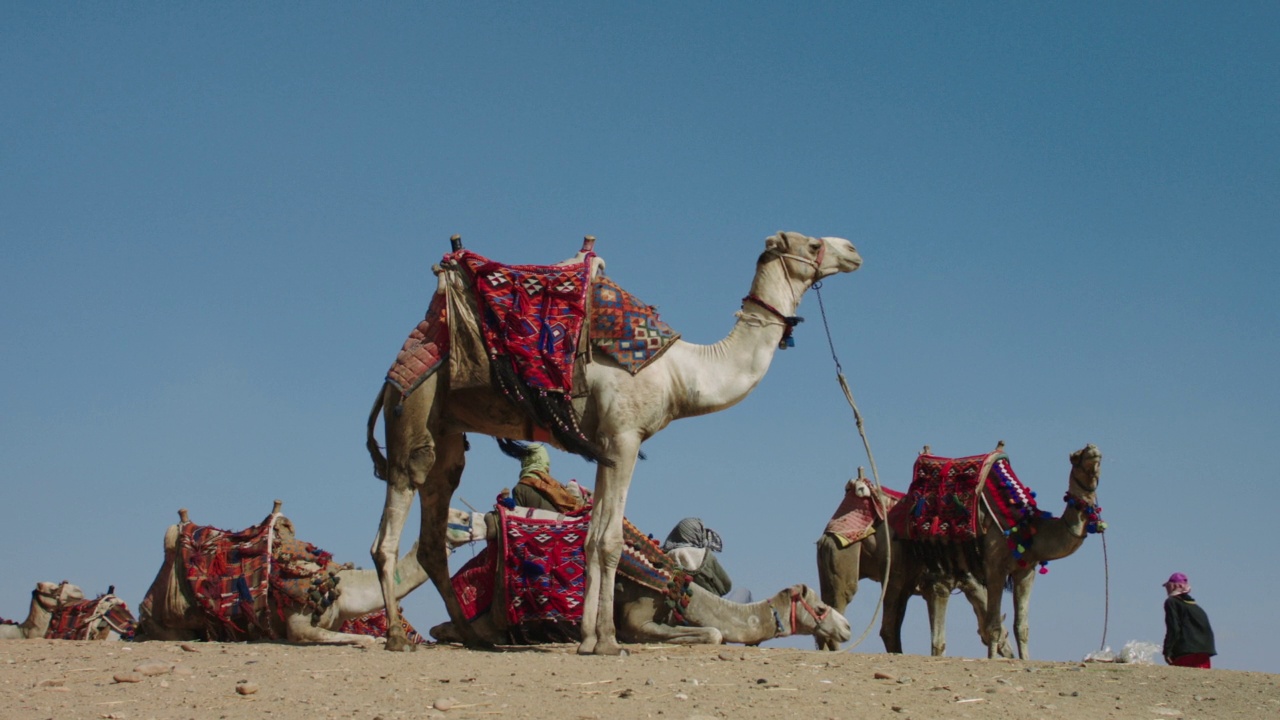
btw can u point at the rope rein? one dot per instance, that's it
(875, 473)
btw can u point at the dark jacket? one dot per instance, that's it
(711, 575)
(1186, 628)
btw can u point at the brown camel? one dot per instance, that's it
(1052, 538)
(617, 412)
(841, 565)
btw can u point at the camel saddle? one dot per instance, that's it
(537, 572)
(854, 520)
(941, 506)
(519, 328)
(78, 620)
(242, 580)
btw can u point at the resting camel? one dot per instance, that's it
(840, 567)
(170, 610)
(1054, 538)
(641, 615)
(45, 599)
(712, 620)
(618, 411)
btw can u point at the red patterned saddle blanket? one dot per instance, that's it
(91, 619)
(543, 574)
(374, 624)
(534, 314)
(242, 580)
(854, 520)
(942, 503)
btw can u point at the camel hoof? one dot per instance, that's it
(399, 644)
(608, 649)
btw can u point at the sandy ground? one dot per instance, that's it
(134, 681)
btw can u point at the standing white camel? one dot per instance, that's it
(46, 599)
(617, 412)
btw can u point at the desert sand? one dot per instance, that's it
(134, 681)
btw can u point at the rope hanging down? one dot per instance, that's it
(875, 473)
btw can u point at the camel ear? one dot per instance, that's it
(775, 242)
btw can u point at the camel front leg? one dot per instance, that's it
(300, 630)
(992, 624)
(1022, 581)
(385, 551)
(838, 569)
(604, 546)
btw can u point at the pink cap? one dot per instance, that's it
(1178, 578)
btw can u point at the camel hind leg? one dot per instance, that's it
(434, 497)
(411, 454)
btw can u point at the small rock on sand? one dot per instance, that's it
(247, 688)
(127, 677)
(154, 668)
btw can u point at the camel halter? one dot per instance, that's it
(789, 322)
(798, 599)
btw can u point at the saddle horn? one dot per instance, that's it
(275, 507)
(456, 242)
(588, 244)
(182, 516)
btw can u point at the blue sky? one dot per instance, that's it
(218, 223)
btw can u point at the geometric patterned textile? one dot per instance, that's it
(531, 314)
(942, 503)
(544, 574)
(424, 350)
(374, 624)
(242, 580)
(545, 578)
(624, 328)
(855, 519)
(79, 620)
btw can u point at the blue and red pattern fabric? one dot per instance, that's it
(531, 314)
(626, 329)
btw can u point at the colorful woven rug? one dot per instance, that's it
(425, 349)
(374, 624)
(942, 503)
(531, 314)
(83, 619)
(242, 580)
(626, 329)
(544, 575)
(855, 519)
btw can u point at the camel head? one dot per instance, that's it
(808, 615)
(810, 258)
(860, 486)
(1086, 466)
(54, 595)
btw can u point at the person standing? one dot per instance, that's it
(1188, 638)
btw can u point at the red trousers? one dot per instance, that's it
(1194, 660)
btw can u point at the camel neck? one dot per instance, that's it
(746, 623)
(719, 376)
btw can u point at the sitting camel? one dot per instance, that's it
(642, 616)
(171, 610)
(46, 599)
(842, 563)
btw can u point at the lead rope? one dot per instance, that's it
(875, 474)
(1106, 592)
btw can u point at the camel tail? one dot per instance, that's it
(371, 442)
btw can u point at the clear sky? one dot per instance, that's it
(218, 222)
